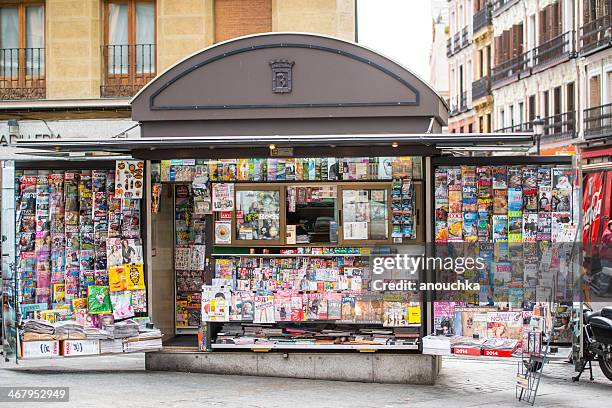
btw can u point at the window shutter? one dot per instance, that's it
(498, 50)
(594, 92)
(542, 27)
(550, 28)
(558, 14)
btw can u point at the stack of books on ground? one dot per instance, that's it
(314, 334)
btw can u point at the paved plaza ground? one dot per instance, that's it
(121, 381)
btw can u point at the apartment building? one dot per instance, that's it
(76, 63)
(460, 53)
(482, 32)
(534, 73)
(595, 69)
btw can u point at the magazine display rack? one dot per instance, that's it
(80, 265)
(521, 219)
(308, 289)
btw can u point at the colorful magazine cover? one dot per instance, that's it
(500, 178)
(264, 309)
(530, 199)
(530, 227)
(544, 226)
(515, 199)
(500, 228)
(484, 181)
(455, 227)
(469, 200)
(441, 231)
(470, 226)
(500, 202)
(561, 200)
(348, 308)
(545, 198)
(454, 201)
(544, 177)
(515, 229)
(515, 179)
(484, 229)
(468, 176)
(441, 183)
(454, 179)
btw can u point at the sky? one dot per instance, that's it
(399, 29)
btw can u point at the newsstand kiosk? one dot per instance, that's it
(276, 167)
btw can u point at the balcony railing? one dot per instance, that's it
(457, 42)
(596, 34)
(520, 128)
(560, 127)
(598, 122)
(22, 73)
(553, 50)
(127, 68)
(510, 68)
(500, 5)
(481, 88)
(482, 19)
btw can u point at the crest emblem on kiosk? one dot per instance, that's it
(281, 75)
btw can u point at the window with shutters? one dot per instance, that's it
(22, 51)
(129, 46)
(532, 108)
(596, 31)
(236, 18)
(594, 91)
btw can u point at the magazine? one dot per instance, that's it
(470, 226)
(454, 201)
(500, 228)
(515, 179)
(264, 309)
(499, 178)
(515, 199)
(455, 227)
(500, 202)
(454, 179)
(545, 198)
(544, 226)
(530, 227)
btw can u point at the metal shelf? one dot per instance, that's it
(290, 255)
(358, 347)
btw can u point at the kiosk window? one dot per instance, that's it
(365, 214)
(258, 215)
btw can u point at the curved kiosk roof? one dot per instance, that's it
(306, 86)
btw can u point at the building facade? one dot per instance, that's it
(106, 50)
(460, 52)
(535, 72)
(595, 69)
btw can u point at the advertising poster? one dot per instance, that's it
(129, 178)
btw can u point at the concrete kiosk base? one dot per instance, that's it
(364, 367)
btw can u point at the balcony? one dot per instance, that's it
(560, 127)
(127, 68)
(499, 6)
(454, 107)
(481, 88)
(482, 19)
(458, 42)
(554, 50)
(598, 122)
(596, 35)
(22, 73)
(510, 69)
(521, 128)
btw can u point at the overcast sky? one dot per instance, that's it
(399, 29)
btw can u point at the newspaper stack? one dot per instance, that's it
(93, 333)
(38, 326)
(69, 329)
(147, 340)
(111, 346)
